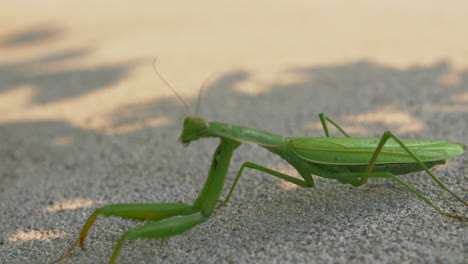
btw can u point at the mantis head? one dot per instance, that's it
(194, 128)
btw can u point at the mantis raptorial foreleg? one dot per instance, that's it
(150, 212)
(161, 229)
(164, 223)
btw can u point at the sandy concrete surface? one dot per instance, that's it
(84, 122)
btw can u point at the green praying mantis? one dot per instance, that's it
(347, 159)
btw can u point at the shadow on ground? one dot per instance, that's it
(61, 83)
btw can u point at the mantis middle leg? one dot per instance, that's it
(307, 182)
(324, 119)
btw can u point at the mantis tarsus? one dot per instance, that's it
(346, 159)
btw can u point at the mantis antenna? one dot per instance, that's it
(187, 109)
(200, 93)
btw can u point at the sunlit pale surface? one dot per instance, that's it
(285, 185)
(400, 122)
(190, 46)
(71, 205)
(390, 116)
(62, 141)
(24, 236)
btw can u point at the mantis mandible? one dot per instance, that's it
(347, 159)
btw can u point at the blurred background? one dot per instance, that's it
(85, 120)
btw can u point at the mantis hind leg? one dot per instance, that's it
(387, 135)
(362, 177)
(151, 212)
(324, 119)
(358, 175)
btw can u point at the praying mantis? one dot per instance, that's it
(347, 159)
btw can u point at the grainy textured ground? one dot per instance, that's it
(84, 122)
